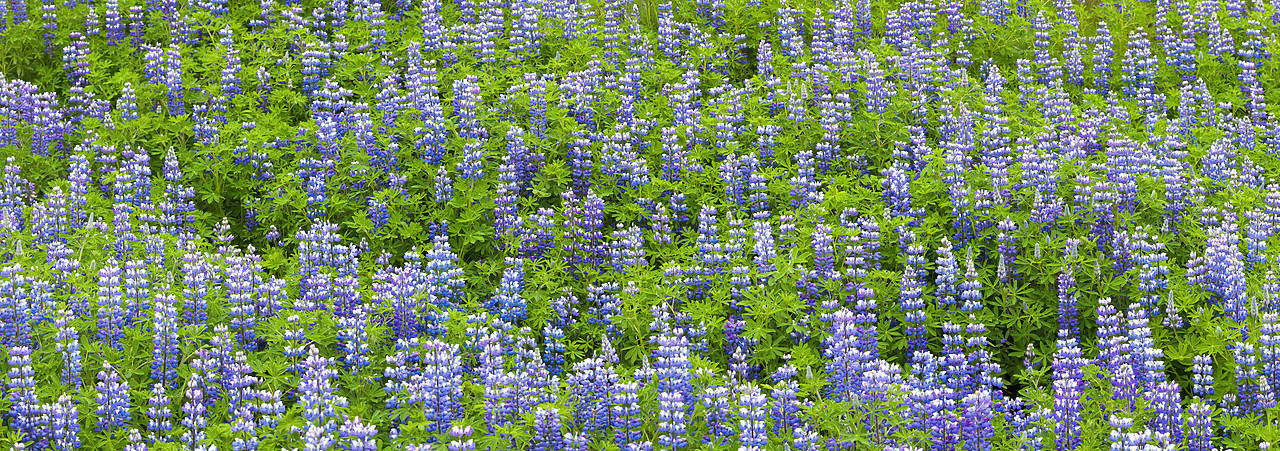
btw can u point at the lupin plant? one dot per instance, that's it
(672, 373)
(441, 388)
(113, 401)
(65, 424)
(112, 314)
(27, 414)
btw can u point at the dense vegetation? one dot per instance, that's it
(563, 224)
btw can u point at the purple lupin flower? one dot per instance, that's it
(626, 414)
(956, 377)
(239, 385)
(1145, 357)
(673, 373)
(753, 434)
(807, 439)
(1221, 269)
(976, 428)
(1102, 58)
(165, 350)
(1202, 376)
(64, 418)
(1068, 315)
(1112, 340)
(13, 193)
(971, 288)
(243, 277)
(353, 333)
(1257, 233)
(1200, 426)
(948, 273)
(584, 219)
(68, 346)
(765, 250)
(28, 415)
(841, 352)
(508, 300)
(1127, 386)
(1269, 349)
(805, 185)
(358, 436)
(207, 363)
(537, 234)
(76, 62)
(198, 275)
(785, 406)
(457, 444)
(1267, 398)
(159, 415)
(394, 289)
(554, 337)
(115, 30)
(506, 213)
(295, 341)
(498, 406)
(590, 383)
(526, 37)
(137, 290)
(911, 297)
(862, 296)
(317, 437)
(717, 412)
(113, 401)
(1167, 403)
(1246, 380)
(397, 374)
(1252, 55)
(317, 250)
(111, 309)
(271, 408)
(1067, 403)
(548, 435)
(135, 441)
(318, 393)
(1152, 273)
(897, 193)
(813, 281)
(441, 384)
(531, 380)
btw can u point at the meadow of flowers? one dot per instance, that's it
(639, 225)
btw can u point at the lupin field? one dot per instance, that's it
(639, 225)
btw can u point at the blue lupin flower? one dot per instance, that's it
(717, 413)
(318, 394)
(113, 401)
(357, 435)
(753, 431)
(1200, 426)
(441, 384)
(65, 420)
(547, 430)
(68, 346)
(159, 415)
(626, 414)
(457, 444)
(165, 350)
(27, 413)
(112, 314)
